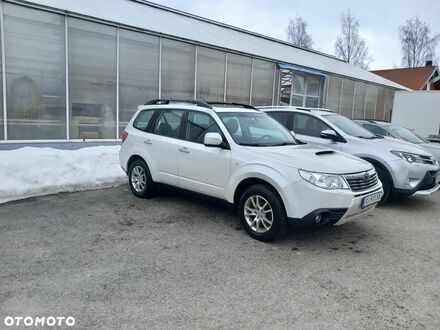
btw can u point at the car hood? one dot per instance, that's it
(312, 158)
(398, 145)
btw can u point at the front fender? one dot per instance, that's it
(258, 171)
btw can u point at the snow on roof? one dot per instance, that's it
(167, 21)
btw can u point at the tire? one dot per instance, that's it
(253, 210)
(139, 179)
(386, 183)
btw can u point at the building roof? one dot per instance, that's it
(170, 22)
(413, 78)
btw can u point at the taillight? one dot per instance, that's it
(124, 136)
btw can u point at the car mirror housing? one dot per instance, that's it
(329, 134)
(213, 140)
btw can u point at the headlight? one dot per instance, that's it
(410, 158)
(324, 180)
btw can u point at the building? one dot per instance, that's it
(76, 70)
(418, 79)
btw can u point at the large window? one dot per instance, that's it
(380, 106)
(238, 79)
(313, 91)
(389, 104)
(210, 74)
(138, 72)
(359, 100)
(178, 64)
(298, 88)
(370, 101)
(92, 80)
(334, 93)
(35, 74)
(347, 98)
(262, 83)
(285, 87)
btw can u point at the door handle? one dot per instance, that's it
(148, 142)
(184, 149)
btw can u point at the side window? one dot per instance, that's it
(198, 125)
(169, 123)
(143, 119)
(376, 130)
(281, 117)
(308, 125)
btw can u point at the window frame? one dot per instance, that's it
(158, 115)
(289, 118)
(147, 129)
(339, 136)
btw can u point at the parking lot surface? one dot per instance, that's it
(114, 261)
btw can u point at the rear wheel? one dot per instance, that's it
(140, 181)
(262, 213)
(386, 184)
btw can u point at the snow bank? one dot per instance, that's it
(29, 171)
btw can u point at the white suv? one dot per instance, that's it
(241, 155)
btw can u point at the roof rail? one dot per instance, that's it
(275, 106)
(164, 101)
(242, 105)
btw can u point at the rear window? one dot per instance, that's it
(143, 119)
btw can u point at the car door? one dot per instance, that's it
(283, 117)
(202, 169)
(308, 128)
(162, 145)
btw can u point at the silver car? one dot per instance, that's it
(385, 129)
(403, 168)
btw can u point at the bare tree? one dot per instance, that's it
(297, 33)
(349, 45)
(417, 44)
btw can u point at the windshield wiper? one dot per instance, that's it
(283, 144)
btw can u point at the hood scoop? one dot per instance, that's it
(324, 152)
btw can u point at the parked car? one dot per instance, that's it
(402, 167)
(241, 155)
(386, 129)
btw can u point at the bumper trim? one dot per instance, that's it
(328, 215)
(427, 192)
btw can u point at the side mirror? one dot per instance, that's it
(329, 134)
(213, 140)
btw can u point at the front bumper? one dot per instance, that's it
(303, 202)
(409, 179)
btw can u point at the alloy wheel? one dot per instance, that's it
(138, 178)
(258, 214)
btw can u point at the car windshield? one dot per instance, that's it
(350, 127)
(404, 134)
(256, 129)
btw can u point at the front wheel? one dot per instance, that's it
(139, 177)
(262, 213)
(386, 184)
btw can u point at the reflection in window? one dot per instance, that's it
(178, 64)
(169, 123)
(138, 72)
(35, 74)
(307, 125)
(92, 80)
(347, 98)
(238, 83)
(198, 125)
(210, 74)
(262, 83)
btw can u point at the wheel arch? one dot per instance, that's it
(378, 164)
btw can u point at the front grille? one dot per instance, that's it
(428, 160)
(361, 181)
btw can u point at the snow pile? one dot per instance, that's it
(29, 171)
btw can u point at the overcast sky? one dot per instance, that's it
(379, 20)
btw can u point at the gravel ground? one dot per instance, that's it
(176, 261)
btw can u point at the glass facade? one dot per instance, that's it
(178, 67)
(138, 72)
(73, 78)
(210, 74)
(92, 80)
(262, 83)
(238, 79)
(35, 74)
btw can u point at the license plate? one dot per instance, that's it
(372, 199)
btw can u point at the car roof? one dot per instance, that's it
(318, 111)
(204, 106)
(373, 121)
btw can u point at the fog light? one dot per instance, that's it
(318, 218)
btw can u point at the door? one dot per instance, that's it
(202, 169)
(308, 128)
(162, 145)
